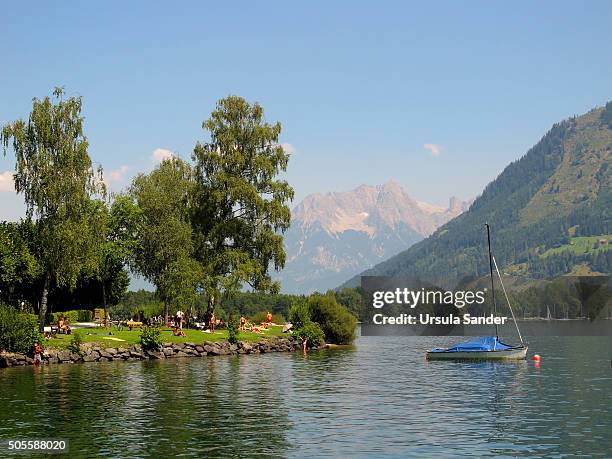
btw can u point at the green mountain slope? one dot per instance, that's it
(560, 190)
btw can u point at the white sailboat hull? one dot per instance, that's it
(517, 353)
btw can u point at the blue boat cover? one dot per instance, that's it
(483, 343)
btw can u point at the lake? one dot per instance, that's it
(379, 398)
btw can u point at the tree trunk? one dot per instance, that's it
(210, 309)
(42, 311)
(167, 313)
(104, 303)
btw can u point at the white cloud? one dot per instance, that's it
(6, 182)
(160, 154)
(117, 175)
(289, 149)
(433, 148)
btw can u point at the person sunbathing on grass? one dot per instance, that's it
(62, 324)
(178, 332)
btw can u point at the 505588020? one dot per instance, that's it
(43, 445)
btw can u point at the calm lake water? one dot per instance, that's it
(377, 399)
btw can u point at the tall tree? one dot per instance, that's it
(165, 248)
(240, 206)
(55, 174)
(19, 267)
(119, 241)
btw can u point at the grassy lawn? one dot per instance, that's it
(580, 245)
(127, 338)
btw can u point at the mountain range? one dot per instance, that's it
(550, 214)
(336, 235)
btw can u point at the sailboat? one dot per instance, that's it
(485, 347)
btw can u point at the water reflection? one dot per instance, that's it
(379, 398)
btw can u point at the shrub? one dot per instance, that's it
(336, 321)
(75, 342)
(310, 331)
(150, 338)
(303, 327)
(233, 324)
(85, 315)
(261, 316)
(72, 316)
(299, 314)
(18, 331)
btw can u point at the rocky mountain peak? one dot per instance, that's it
(334, 234)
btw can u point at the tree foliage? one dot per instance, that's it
(56, 177)
(239, 205)
(18, 331)
(164, 252)
(337, 323)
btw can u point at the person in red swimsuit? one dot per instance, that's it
(37, 354)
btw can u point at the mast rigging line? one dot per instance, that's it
(507, 299)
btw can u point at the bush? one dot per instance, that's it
(303, 327)
(85, 315)
(233, 324)
(75, 342)
(261, 316)
(18, 331)
(75, 315)
(299, 314)
(150, 338)
(336, 321)
(310, 331)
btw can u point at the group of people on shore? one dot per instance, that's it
(245, 325)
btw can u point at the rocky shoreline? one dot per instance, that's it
(95, 353)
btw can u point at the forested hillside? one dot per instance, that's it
(538, 208)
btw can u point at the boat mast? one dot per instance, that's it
(491, 271)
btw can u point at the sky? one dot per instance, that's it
(439, 96)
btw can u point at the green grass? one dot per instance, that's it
(580, 245)
(98, 335)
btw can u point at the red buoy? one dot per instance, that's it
(536, 357)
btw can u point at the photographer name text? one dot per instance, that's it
(428, 319)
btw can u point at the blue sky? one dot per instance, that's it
(359, 87)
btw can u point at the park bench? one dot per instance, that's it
(131, 325)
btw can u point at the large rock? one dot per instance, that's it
(155, 355)
(106, 355)
(209, 348)
(4, 361)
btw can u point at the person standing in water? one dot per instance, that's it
(37, 354)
